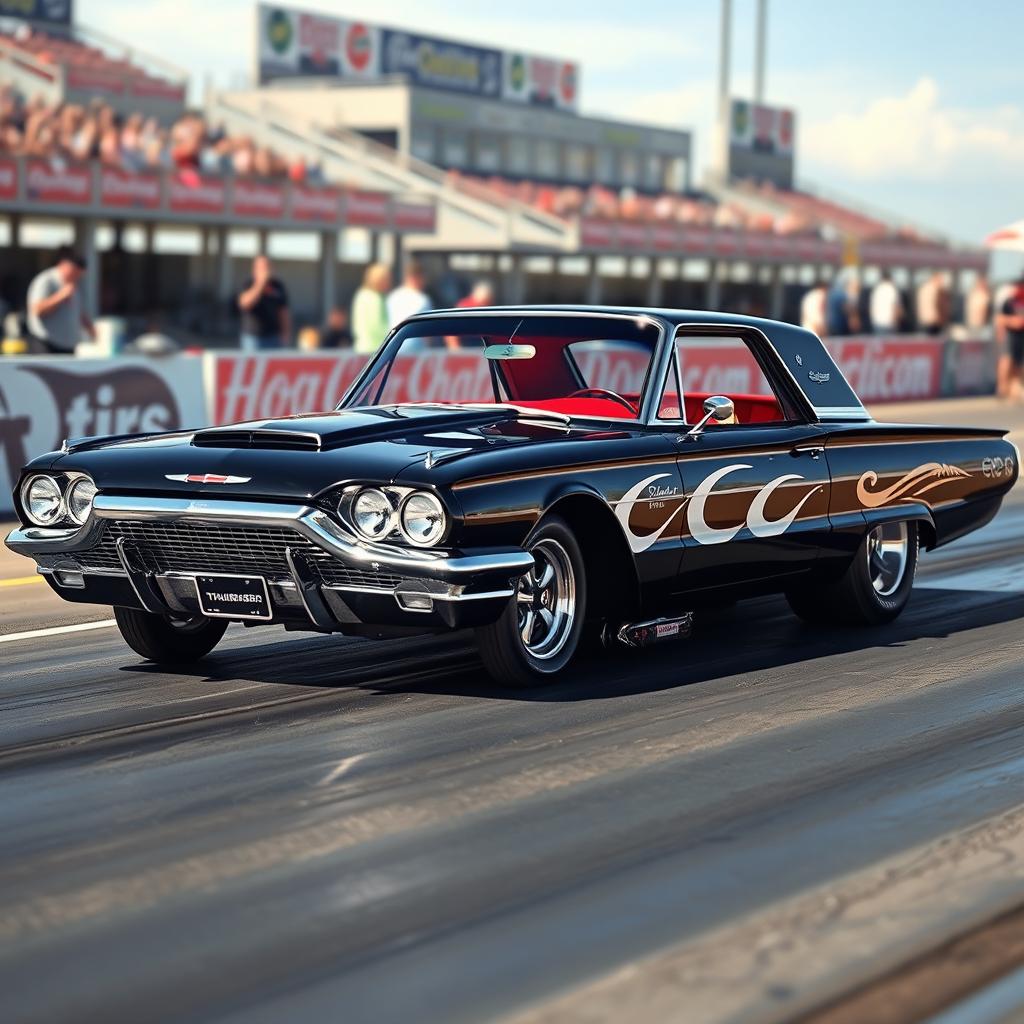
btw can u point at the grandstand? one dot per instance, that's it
(473, 179)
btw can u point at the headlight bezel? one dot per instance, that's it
(76, 484)
(395, 531)
(438, 506)
(63, 483)
(387, 522)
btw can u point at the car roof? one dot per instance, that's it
(672, 316)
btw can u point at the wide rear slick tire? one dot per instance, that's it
(167, 641)
(874, 589)
(539, 632)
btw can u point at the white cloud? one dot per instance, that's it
(915, 136)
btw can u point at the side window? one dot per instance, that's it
(720, 365)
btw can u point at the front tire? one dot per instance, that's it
(169, 640)
(875, 587)
(539, 631)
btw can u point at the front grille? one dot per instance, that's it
(216, 548)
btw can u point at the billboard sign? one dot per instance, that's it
(762, 143)
(52, 12)
(294, 43)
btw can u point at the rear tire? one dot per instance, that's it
(875, 587)
(539, 631)
(167, 640)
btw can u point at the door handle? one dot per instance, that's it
(814, 450)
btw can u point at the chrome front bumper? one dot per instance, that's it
(483, 580)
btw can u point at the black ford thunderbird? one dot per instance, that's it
(567, 481)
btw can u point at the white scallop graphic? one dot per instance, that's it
(699, 529)
(761, 527)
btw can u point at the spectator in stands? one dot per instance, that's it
(335, 333)
(263, 302)
(369, 309)
(56, 314)
(409, 298)
(886, 309)
(482, 294)
(1011, 326)
(812, 309)
(978, 308)
(933, 304)
(841, 313)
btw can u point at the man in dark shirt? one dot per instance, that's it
(335, 333)
(1011, 325)
(266, 319)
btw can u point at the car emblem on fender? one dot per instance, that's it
(206, 478)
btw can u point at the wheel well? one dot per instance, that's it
(612, 582)
(926, 534)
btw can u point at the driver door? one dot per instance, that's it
(757, 485)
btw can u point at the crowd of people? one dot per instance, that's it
(376, 307)
(75, 133)
(843, 306)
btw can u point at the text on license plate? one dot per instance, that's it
(234, 597)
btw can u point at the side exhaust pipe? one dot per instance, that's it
(651, 631)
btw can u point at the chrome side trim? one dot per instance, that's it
(456, 598)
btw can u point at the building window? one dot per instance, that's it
(654, 174)
(488, 153)
(424, 143)
(519, 156)
(604, 166)
(455, 148)
(629, 168)
(548, 164)
(577, 163)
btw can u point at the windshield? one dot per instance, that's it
(584, 366)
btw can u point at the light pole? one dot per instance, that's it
(760, 50)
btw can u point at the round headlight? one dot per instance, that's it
(79, 499)
(42, 500)
(423, 518)
(372, 511)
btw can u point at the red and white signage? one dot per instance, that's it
(890, 369)
(47, 183)
(257, 199)
(135, 191)
(194, 193)
(317, 205)
(8, 179)
(415, 217)
(367, 209)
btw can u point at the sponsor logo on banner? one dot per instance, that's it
(8, 179)
(43, 401)
(47, 183)
(359, 46)
(367, 209)
(415, 217)
(196, 194)
(890, 369)
(256, 199)
(138, 191)
(315, 204)
(440, 64)
(541, 81)
(55, 12)
(319, 45)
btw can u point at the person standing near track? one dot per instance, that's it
(369, 309)
(1010, 324)
(56, 315)
(263, 302)
(886, 309)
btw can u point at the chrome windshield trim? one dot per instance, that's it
(647, 396)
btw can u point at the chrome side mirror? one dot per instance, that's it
(718, 408)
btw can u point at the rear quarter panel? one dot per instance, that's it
(954, 479)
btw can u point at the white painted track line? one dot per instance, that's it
(80, 627)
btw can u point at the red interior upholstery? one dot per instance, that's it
(606, 408)
(749, 408)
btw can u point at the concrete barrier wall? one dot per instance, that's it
(44, 400)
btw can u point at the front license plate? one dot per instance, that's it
(234, 597)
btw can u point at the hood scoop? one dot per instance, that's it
(269, 440)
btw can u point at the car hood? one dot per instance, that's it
(297, 457)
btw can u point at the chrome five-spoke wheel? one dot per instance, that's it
(546, 600)
(887, 549)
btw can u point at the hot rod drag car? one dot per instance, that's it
(564, 482)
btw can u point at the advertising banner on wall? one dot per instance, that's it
(762, 143)
(45, 400)
(52, 12)
(295, 43)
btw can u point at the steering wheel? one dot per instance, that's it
(604, 393)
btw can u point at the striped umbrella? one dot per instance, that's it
(1010, 238)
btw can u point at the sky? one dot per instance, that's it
(912, 106)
